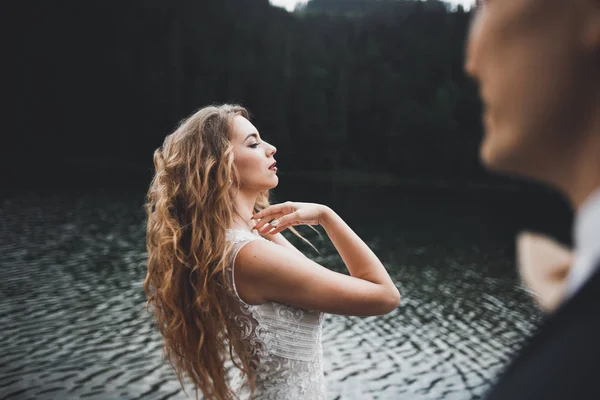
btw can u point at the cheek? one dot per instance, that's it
(248, 166)
(526, 135)
(244, 166)
(537, 100)
(242, 163)
(528, 83)
(530, 69)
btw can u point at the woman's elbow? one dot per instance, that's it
(395, 298)
(390, 301)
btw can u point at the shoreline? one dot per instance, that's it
(92, 172)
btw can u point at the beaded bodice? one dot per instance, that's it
(285, 342)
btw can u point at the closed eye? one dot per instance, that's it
(254, 145)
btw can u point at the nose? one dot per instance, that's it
(469, 62)
(472, 44)
(271, 150)
(469, 66)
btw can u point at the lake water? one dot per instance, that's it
(73, 322)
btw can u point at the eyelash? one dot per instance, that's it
(254, 145)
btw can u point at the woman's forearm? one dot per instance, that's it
(359, 259)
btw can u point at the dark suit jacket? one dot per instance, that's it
(562, 360)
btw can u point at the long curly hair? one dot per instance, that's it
(189, 207)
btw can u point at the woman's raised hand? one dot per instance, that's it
(279, 217)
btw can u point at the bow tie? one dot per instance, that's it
(543, 265)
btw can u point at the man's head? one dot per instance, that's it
(537, 63)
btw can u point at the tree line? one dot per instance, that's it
(370, 85)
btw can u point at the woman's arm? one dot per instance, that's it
(265, 271)
(361, 262)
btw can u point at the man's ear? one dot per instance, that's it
(591, 25)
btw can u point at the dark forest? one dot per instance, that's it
(338, 85)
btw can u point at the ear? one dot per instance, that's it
(590, 16)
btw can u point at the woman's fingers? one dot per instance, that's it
(267, 223)
(278, 225)
(270, 230)
(274, 209)
(286, 219)
(279, 217)
(281, 228)
(267, 219)
(264, 230)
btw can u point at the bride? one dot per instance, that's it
(223, 282)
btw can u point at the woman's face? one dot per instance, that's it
(253, 157)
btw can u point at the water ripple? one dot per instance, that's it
(74, 324)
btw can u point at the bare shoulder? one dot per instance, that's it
(265, 271)
(261, 263)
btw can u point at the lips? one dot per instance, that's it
(273, 166)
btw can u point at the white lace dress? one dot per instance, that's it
(285, 342)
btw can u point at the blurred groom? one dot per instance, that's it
(537, 63)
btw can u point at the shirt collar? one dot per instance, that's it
(587, 242)
(587, 224)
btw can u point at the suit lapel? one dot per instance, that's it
(585, 298)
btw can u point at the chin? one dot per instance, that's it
(499, 156)
(488, 156)
(275, 183)
(511, 158)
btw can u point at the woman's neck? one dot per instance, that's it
(244, 209)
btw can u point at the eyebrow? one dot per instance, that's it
(255, 135)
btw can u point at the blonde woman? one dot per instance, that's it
(225, 285)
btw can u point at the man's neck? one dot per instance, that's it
(580, 174)
(585, 173)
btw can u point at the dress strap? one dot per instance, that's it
(238, 238)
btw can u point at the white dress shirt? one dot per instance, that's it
(587, 243)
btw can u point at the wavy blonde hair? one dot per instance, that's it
(189, 207)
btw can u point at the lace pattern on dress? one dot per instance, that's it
(285, 341)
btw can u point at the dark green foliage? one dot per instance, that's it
(375, 85)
